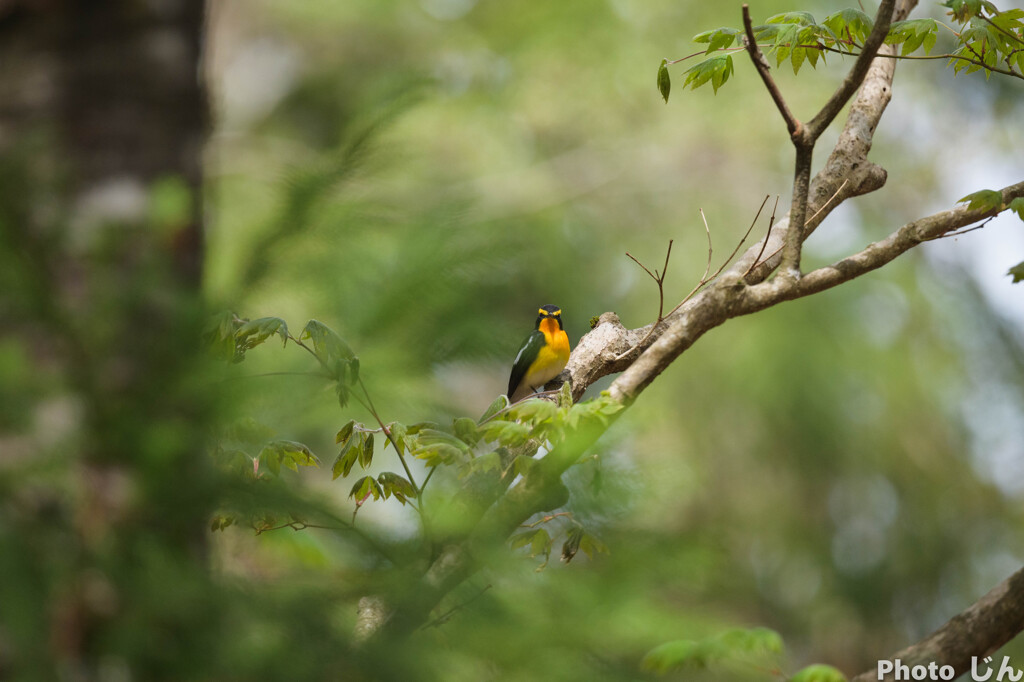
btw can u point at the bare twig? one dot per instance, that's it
(711, 250)
(771, 221)
(794, 126)
(545, 519)
(444, 617)
(659, 278)
(825, 205)
(342, 526)
(957, 233)
(705, 278)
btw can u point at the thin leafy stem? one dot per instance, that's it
(444, 617)
(933, 56)
(320, 375)
(368, 404)
(1002, 30)
(546, 519)
(430, 474)
(342, 526)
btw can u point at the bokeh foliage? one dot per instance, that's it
(420, 176)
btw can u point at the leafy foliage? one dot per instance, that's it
(731, 646)
(988, 39)
(818, 673)
(716, 69)
(467, 445)
(983, 200)
(664, 80)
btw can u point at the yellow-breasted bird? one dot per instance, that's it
(542, 357)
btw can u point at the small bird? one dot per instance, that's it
(542, 357)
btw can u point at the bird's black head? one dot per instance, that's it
(549, 312)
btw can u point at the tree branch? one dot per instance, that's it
(761, 64)
(731, 297)
(847, 173)
(883, 19)
(979, 630)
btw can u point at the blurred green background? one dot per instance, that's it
(422, 174)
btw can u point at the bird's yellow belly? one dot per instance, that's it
(551, 360)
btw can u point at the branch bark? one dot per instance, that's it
(979, 630)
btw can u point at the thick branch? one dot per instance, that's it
(730, 297)
(817, 125)
(980, 630)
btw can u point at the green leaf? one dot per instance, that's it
(565, 395)
(572, 543)
(818, 673)
(363, 487)
(591, 545)
(673, 655)
(983, 200)
(219, 335)
(784, 42)
(398, 433)
(750, 641)
(715, 69)
(439, 453)
(912, 33)
(499, 404)
(399, 486)
(854, 21)
(345, 432)
(434, 436)
(537, 539)
(534, 410)
(329, 348)
(721, 38)
(366, 452)
(664, 85)
(289, 453)
(507, 433)
(801, 18)
(799, 55)
(255, 332)
(1017, 206)
(736, 644)
(466, 430)
(347, 457)
(1017, 272)
(929, 41)
(490, 461)
(541, 543)
(523, 465)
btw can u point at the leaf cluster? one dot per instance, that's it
(760, 648)
(991, 201)
(988, 39)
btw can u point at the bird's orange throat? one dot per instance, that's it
(556, 337)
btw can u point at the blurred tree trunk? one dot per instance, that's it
(102, 120)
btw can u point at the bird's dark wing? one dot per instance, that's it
(527, 354)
